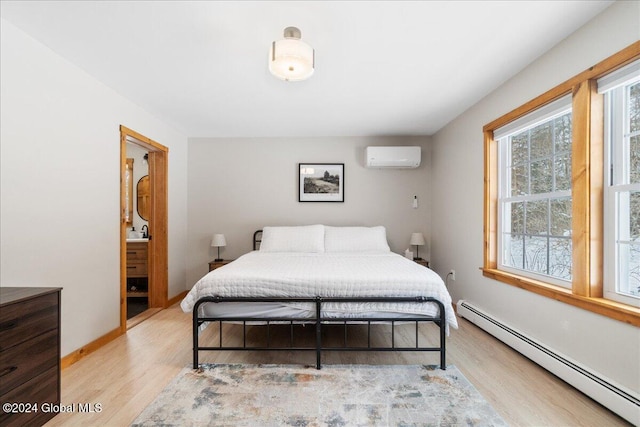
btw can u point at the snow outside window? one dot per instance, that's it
(622, 184)
(535, 194)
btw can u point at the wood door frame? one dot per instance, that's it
(158, 222)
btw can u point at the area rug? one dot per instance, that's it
(337, 395)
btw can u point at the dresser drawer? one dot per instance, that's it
(137, 252)
(18, 364)
(41, 389)
(19, 322)
(136, 269)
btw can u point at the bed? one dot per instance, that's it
(320, 276)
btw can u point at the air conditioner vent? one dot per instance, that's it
(393, 157)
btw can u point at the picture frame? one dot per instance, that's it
(321, 182)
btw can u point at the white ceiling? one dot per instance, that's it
(382, 68)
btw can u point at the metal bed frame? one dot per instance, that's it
(319, 321)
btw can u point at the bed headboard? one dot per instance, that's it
(257, 239)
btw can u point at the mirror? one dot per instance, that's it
(142, 191)
(128, 192)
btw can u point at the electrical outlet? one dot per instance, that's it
(453, 275)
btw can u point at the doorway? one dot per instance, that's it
(143, 227)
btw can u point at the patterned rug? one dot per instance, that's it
(337, 395)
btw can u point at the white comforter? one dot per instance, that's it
(259, 274)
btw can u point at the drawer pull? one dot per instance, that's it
(131, 266)
(8, 370)
(7, 326)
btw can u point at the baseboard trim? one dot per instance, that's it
(615, 397)
(142, 317)
(76, 355)
(177, 298)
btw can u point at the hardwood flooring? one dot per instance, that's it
(124, 376)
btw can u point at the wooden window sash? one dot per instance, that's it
(587, 189)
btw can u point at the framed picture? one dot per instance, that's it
(321, 182)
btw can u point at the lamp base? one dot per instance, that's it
(218, 260)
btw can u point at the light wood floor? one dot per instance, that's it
(127, 374)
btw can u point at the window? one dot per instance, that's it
(562, 191)
(622, 184)
(535, 194)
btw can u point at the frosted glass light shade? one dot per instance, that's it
(291, 59)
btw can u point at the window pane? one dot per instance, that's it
(634, 108)
(561, 217)
(535, 254)
(513, 250)
(562, 170)
(634, 159)
(562, 133)
(634, 127)
(629, 269)
(520, 148)
(537, 217)
(634, 216)
(622, 194)
(541, 139)
(628, 216)
(538, 163)
(517, 217)
(519, 180)
(634, 270)
(560, 258)
(541, 177)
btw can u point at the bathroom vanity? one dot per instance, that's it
(137, 267)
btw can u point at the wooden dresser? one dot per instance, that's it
(29, 354)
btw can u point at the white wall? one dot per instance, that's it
(60, 183)
(606, 346)
(237, 186)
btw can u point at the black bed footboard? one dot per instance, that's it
(319, 321)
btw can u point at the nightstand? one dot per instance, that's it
(422, 262)
(217, 264)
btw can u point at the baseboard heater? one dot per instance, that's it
(623, 402)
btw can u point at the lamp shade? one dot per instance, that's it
(291, 59)
(417, 239)
(218, 240)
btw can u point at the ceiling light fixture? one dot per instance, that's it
(291, 59)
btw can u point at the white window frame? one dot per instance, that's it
(615, 88)
(541, 115)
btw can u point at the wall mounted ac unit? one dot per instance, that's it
(392, 157)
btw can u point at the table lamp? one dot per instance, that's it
(417, 239)
(217, 241)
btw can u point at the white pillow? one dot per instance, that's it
(304, 238)
(355, 239)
